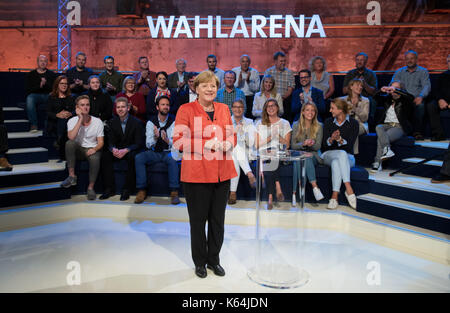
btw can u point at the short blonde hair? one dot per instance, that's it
(313, 59)
(205, 77)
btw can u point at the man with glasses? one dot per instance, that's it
(307, 94)
(111, 79)
(244, 149)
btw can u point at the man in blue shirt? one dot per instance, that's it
(417, 82)
(230, 93)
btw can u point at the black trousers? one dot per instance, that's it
(107, 164)
(206, 203)
(271, 177)
(3, 140)
(435, 119)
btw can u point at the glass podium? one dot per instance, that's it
(279, 233)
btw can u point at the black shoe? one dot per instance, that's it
(217, 269)
(106, 195)
(200, 271)
(125, 195)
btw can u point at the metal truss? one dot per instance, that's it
(64, 37)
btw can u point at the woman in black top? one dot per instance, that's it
(339, 135)
(60, 108)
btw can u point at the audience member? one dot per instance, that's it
(320, 78)
(248, 81)
(137, 100)
(244, 149)
(396, 121)
(187, 95)
(211, 61)
(272, 131)
(85, 133)
(369, 81)
(111, 79)
(339, 134)
(177, 80)
(4, 164)
(38, 84)
(443, 103)
(145, 79)
(78, 75)
(307, 135)
(100, 102)
(284, 81)
(307, 94)
(161, 89)
(159, 140)
(268, 91)
(359, 108)
(444, 173)
(60, 108)
(417, 82)
(230, 93)
(125, 138)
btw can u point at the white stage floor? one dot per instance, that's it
(133, 253)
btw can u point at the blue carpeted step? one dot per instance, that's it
(411, 188)
(34, 173)
(428, 169)
(427, 149)
(24, 140)
(32, 194)
(27, 155)
(17, 125)
(14, 113)
(423, 216)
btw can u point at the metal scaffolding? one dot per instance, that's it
(64, 37)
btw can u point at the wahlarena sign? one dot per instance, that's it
(256, 26)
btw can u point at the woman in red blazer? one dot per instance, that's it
(204, 133)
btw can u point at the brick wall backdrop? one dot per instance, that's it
(28, 28)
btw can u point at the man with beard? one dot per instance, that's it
(417, 82)
(111, 79)
(211, 61)
(79, 75)
(307, 94)
(159, 140)
(125, 137)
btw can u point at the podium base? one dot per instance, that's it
(279, 276)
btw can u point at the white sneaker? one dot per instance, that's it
(332, 205)
(317, 194)
(351, 200)
(294, 200)
(387, 153)
(376, 167)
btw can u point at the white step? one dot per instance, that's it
(436, 163)
(12, 109)
(16, 121)
(405, 205)
(20, 169)
(409, 181)
(26, 150)
(18, 135)
(433, 144)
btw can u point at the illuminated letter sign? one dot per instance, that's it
(162, 27)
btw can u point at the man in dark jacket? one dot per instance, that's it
(396, 121)
(307, 94)
(125, 137)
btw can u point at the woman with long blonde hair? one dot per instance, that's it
(268, 90)
(307, 135)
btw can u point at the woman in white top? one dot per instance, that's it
(268, 91)
(272, 131)
(85, 133)
(359, 108)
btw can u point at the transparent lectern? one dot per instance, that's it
(279, 232)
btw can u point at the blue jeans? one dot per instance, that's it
(149, 157)
(310, 170)
(33, 101)
(340, 162)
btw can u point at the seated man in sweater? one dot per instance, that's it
(159, 140)
(125, 137)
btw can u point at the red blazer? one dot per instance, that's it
(200, 165)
